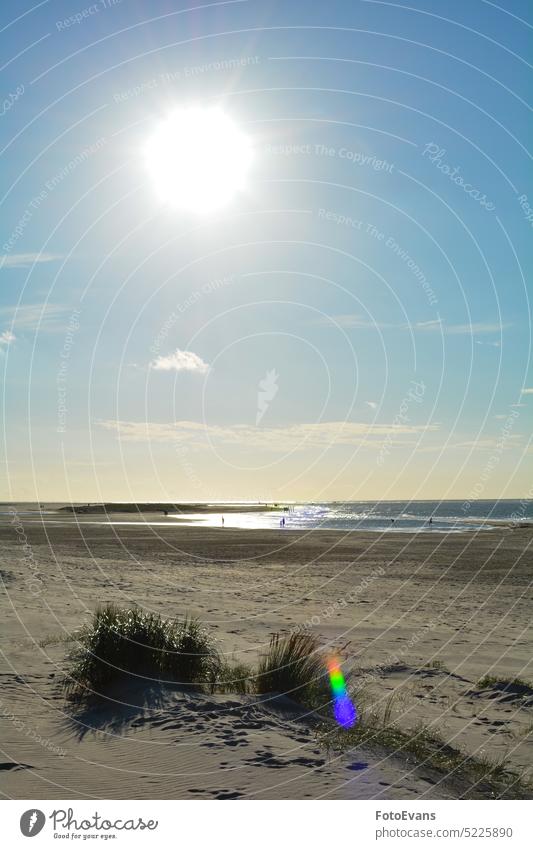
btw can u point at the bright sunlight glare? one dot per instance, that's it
(198, 159)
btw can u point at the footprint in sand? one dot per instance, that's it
(227, 794)
(12, 765)
(266, 759)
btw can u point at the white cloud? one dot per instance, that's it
(180, 361)
(7, 337)
(291, 437)
(25, 260)
(528, 390)
(372, 404)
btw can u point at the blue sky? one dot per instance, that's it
(376, 271)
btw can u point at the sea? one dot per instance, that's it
(379, 516)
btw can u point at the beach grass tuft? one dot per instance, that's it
(473, 776)
(437, 664)
(236, 678)
(489, 682)
(127, 641)
(294, 666)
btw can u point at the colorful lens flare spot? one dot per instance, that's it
(343, 707)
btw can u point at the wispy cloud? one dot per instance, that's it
(485, 443)
(180, 361)
(490, 443)
(372, 404)
(355, 321)
(291, 437)
(473, 328)
(25, 260)
(433, 324)
(49, 318)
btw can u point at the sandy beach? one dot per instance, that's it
(419, 615)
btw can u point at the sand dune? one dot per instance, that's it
(424, 618)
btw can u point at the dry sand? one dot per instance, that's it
(425, 616)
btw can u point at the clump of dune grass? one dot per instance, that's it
(122, 641)
(437, 664)
(473, 776)
(233, 678)
(294, 667)
(489, 682)
(54, 640)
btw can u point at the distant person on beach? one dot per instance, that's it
(222, 521)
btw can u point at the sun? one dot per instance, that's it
(198, 159)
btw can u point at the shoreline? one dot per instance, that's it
(197, 521)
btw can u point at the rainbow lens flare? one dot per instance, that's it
(343, 707)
